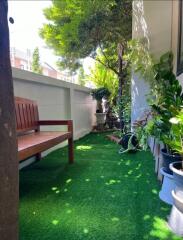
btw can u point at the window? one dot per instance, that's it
(180, 41)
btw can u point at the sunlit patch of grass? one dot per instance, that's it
(69, 180)
(161, 231)
(128, 162)
(83, 147)
(85, 230)
(146, 217)
(139, 175)
(115, 219)
(154, 191)
(138, 166)
(55, 222)
(69, 211)
(130, 172)
(112, 181)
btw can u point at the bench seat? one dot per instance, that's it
(31, 140)
(36, 142)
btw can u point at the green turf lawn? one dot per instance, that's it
(103, 196)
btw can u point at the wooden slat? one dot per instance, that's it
(26, 114)
(17, 117)
(21, 116)
(34, 143)
(30, 112)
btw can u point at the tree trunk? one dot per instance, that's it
(8, 145)
(121, 81)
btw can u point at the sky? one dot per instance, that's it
(28, 19)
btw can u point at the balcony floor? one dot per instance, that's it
(103, 196)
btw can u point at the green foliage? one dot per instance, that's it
(143, 129)
(142, 137)
(103, 77)
(124, 108)
(166, 101)
(100, 93)
(166, 96)
(76, 29)
(175, 141)
(82, 78)
(36, 66)
(140, 58)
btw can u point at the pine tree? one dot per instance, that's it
(82, 77)
(36, 66)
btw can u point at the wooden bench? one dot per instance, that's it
(32, 141)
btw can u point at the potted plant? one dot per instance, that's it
(99, 94)
(166, 102)
(176, 143)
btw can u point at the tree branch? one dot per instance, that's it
(107, 66)
(108, 62)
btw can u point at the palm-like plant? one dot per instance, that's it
(99, 94)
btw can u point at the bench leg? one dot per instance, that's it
(38, 157)
(71, 150)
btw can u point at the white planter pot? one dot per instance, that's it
(167, 187)
(176, 217)
(178, 178)
(101, 117)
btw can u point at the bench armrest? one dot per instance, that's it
(57, 122)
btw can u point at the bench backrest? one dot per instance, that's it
(27, 116)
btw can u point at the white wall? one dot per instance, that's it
(153, 20)
(57, 100)
(175, 35)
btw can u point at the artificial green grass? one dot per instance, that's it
(102, 196)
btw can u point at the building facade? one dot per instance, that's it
(23, 60)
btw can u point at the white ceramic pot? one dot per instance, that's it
(167, 187)
(178, 178)
(101, 118)
(175, 221)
